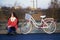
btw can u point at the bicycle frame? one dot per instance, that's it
(36, 24)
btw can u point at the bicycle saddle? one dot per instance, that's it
(43, 16)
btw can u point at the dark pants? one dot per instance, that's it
(11, 29)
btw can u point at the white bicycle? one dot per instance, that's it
(48, 25)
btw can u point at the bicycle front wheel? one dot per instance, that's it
(51, 28)
(26, 28)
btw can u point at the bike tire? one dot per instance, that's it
(50, 29)
(25, 29)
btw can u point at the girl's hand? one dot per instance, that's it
(9, 26)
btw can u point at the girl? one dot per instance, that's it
(12, 24)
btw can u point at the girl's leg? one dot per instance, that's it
(9, 30)
(13, 30)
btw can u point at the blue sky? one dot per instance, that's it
(43, 4)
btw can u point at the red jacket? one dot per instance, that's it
(12, 24)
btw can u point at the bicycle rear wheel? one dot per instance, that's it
(51, 28)
(26, 28)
